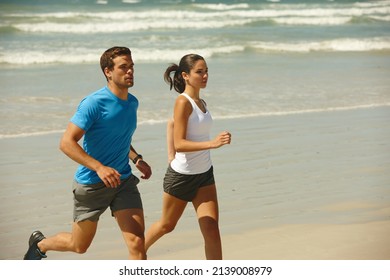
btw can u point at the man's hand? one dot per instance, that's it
(144, 168)
(110, 177)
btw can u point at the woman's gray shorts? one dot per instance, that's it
(185, 187)
(90, 201)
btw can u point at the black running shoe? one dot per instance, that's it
(33, 252)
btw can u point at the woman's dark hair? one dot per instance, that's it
(186, 64)
(106, 60)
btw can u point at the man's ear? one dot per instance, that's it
(107, 72)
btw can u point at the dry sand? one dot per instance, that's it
(311, 186)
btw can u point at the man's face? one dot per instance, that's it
(122, 75)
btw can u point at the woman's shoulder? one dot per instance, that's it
(182, 99)
(183, 103)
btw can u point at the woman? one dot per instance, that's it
(189, 177)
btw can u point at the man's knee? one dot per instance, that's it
(138, 243)
(137, 248)
(80, 248)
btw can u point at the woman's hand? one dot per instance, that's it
(223, 138)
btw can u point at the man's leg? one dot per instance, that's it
(77, 241)
(131, 222)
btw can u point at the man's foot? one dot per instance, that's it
(33, 252)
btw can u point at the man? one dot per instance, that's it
(107, 120)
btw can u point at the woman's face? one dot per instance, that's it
(198, 75)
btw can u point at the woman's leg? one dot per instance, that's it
(172, 210)
(206, 207)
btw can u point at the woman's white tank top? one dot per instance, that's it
(198, 130)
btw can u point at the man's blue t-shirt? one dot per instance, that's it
(109, 123)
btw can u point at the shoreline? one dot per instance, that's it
(220, 118)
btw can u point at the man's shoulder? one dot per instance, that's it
(91, 101)
(98, 93)
(95, 96)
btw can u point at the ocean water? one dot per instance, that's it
(274, 57)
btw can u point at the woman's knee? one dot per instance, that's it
(209, 227)
(168, 227)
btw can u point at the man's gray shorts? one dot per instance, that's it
(90, 201)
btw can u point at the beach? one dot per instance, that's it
(310, 186)
(303, 86)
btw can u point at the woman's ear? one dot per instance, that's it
(185, 76)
